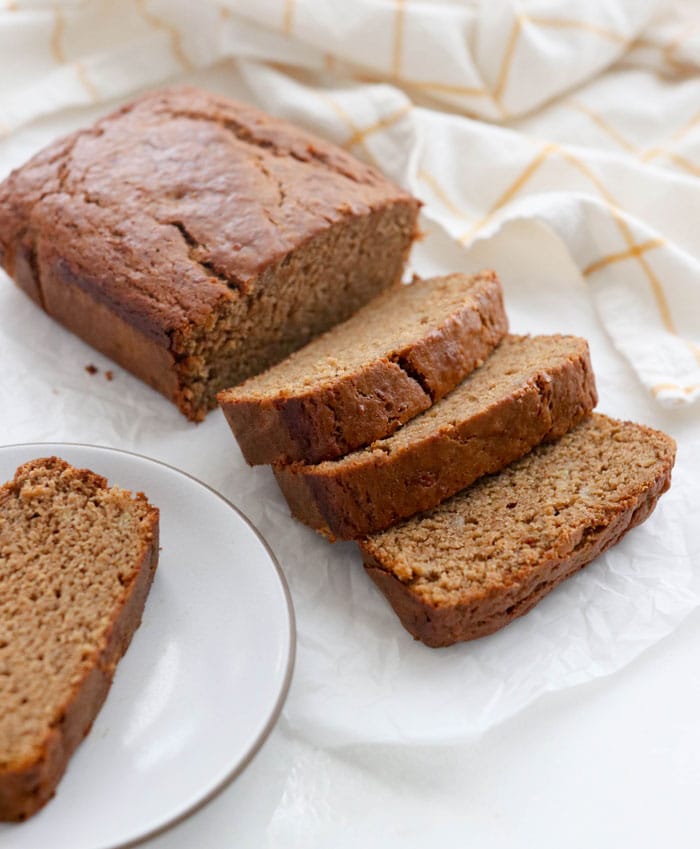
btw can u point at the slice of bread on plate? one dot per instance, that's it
(77, 559)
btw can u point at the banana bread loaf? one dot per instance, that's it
(76, 562)
(490, 553)
(197, 241)
(530, 389)
(364, 378)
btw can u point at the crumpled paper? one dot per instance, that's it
(359, 677)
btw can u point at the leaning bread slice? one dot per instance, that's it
(490, 553)
(367, 376)
(529, 390)
(76, 563)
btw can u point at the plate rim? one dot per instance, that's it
(272, 720)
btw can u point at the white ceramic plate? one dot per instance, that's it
(203, 682)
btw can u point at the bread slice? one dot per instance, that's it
(490, 553)
(366, 377)
(529, 390)
(76, 563)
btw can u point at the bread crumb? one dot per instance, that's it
(91, 369)
(109, 374)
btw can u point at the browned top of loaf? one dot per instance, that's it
(178, 200)
(497, 531)
(505, 373)
(69, 549)
(384, 330)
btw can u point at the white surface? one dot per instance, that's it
(202, 683)
(609, 763)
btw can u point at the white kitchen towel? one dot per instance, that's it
(582, 115)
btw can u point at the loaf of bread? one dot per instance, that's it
(490, 553)
(364, 378)
(530, 389)
(197, 241)
(76, 562)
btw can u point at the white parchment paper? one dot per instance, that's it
(359, 677)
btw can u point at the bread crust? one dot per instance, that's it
(352, 500)
(439, 625)
(77, 309)
(355, 409)
(26, 787)
(326, 423)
